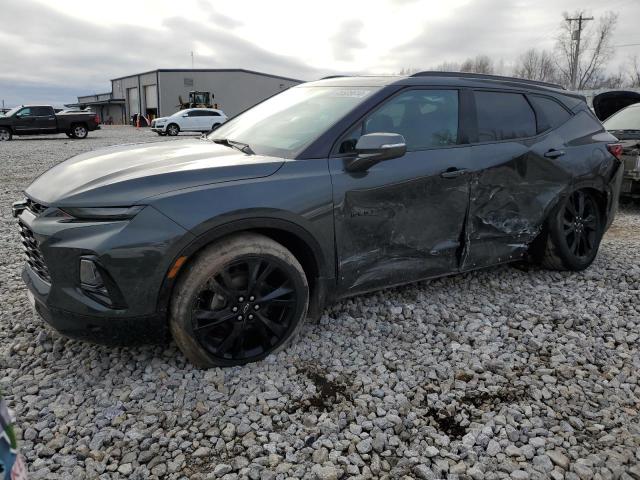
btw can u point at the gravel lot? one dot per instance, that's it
(499, 373)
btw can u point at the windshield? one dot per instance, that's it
(285, 123)
(626, 119)
(12, 111)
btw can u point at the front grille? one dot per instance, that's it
(35, 207)
(32, 250)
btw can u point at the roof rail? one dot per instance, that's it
(484, 76)
(332, 76)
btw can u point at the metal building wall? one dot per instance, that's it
(233, 91)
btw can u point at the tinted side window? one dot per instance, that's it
(549, 113)
(25, 112)
(503, 116)
(42, 111)
(425, 118)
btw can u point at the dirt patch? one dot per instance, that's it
(472, 406)
(493, 401)
(328, 392)
(446, 423)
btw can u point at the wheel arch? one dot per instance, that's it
(300, 242)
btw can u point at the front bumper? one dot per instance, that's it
(134, 254)
(159, 128)
(107, 331)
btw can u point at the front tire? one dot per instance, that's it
(238, 301)
(173, 130)
(574, 231)
(5, 134)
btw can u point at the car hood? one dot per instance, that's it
(163, 119)
(128, 174)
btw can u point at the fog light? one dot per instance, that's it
(89, 275)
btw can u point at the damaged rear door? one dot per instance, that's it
(402, 220)
(517, 174)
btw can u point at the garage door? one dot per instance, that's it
(151, 96)
(132, 98)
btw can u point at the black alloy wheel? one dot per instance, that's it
(246, 309)
(237, 301)
(573, 232)
(580, 223)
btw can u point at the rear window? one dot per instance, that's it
(549, 113)
(504, 116)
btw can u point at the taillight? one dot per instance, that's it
(97, 119)
(615, 149)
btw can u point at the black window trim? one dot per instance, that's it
(548, 97)
(462, 133)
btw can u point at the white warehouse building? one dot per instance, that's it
(156, 93)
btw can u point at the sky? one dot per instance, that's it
(51, 52)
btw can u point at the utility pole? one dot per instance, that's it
(192, 60)
(575, 35)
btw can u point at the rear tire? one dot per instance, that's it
(238, 301)
(79, 131)
(173, 130)
(574, 231)
(5, 134)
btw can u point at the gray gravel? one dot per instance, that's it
(499, 373)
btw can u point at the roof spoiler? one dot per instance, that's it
(482, 76)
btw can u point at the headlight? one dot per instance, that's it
(103, 213)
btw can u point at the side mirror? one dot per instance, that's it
(374, 148)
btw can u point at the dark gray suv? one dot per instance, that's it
(329, 189)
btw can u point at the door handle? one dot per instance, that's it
(553, 153)
(453, 172)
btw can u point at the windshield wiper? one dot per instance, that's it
(243, 147)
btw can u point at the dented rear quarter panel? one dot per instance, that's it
(514, 186)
